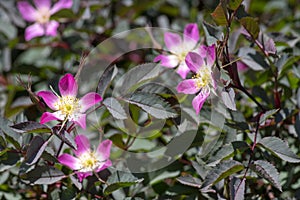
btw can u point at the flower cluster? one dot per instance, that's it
(190, 57)
(41, 15)
(68, 107)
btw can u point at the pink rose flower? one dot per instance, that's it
(179, 49)
(67, 106)
(41, 17)
(200, 63)
(86, 161)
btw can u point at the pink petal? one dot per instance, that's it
(191, 34)
(199, 100)
(83, 175)
(172, 40)
(61, 5)
(183, 70)
(209, 53)
(103, 150)
(51, 28)
(80, 120)
(187, 87)
(27, 11)
(89, 100)
(49, 98)
(241, 66)
(104, 166)
(46, 117)
(83, 145)
(169, 61)
(69, 161)
(68, 86)
(33, 31)
(42, 4)
(194, 61)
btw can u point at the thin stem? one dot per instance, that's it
(60, 148)
(95, 109)
(241, 88)
(100, 179)
(252, 150)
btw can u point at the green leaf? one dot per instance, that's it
(228, 96)
(118, 140)
(251, 25)
(237, 189)
(190, 181)
(224, 152)
(212, 33)
(115, 108)
(220, 15)
(137, 75)
(31, 127)
(279, 148)
(163, 176)
(3, 142)
(43, 175)
(12, 136)
(106, 78)
(221, 171)
(267, 115)
(234, 4)
(119, 180)
(68, 193)
(267, 171)
(152, 104)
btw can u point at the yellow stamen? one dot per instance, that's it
(43, 16)
(88, 161)
(181, 56)
(203, 78)
(68, 105)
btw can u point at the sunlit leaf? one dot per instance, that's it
(237, 188)
(228, 97)
(251, 25)
(118, 140)
(106, 78)
(219, 15)
(119, 180)
(221, 171)
(115, 108)
(190, 181)
(11, 136)
(152, 104)
(212, 33)
(138, 75)
(279, 148)
(234, 4)
(267, 115)
(267, 171)
(224, 152)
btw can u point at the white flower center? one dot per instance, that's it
(43, 15)
(68, 105)
(88, 161)
(203, 78)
